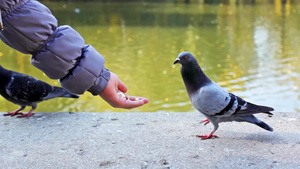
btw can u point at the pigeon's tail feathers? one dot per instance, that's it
(69, 95)
(252, 119)
(264, 126)
(60, 92)
(65, 93)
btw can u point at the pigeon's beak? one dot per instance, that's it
(176, 61)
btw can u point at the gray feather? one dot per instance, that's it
(252, 119)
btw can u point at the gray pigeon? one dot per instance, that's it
(217, 104)
(26, 90)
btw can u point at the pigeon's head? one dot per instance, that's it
(185, 58)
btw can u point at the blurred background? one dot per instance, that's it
(249, 47)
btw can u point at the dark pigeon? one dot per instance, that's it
(217, 104)
(26, 90)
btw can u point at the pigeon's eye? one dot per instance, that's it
(185, 57)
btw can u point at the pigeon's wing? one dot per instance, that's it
(239, 107)
(246, 108)
(27, 88)
(213, 100)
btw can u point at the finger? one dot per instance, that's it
(134, 98)
(122, 87)
(128, 104)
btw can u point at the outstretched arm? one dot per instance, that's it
(60, 52)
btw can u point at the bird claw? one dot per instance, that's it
(25, 115)
(12, 113)
(18, 113)
(204, 137)
(206, 121)
(210, 135)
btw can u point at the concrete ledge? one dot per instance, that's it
(146, 140)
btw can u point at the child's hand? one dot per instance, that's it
(115, 94)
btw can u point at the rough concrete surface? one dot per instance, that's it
(146, 140)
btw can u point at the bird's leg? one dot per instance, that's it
(210, 135)
(16, 112)
(28, 114)
(206, 121)
(204, 137)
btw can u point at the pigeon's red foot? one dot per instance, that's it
(204, 137)
(13, 113)
(206, 121)
(209, 136)
(26, 115)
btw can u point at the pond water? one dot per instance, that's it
(250, 50)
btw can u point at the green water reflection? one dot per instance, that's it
(252, 51)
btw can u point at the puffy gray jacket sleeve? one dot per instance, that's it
(60, 52)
